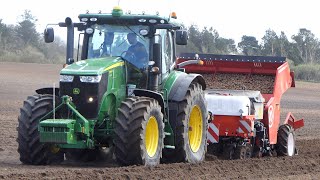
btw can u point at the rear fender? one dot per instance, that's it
(180, 86)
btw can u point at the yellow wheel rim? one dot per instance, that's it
(195, 128)
(152, 136)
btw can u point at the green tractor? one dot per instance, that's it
(144, 109)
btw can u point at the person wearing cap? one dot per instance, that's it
(136, 53)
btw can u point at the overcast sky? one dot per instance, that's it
(231, 18)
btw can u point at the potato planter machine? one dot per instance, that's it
(243, 97)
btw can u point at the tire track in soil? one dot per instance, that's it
(306, 164)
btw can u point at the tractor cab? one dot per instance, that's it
(144, 42)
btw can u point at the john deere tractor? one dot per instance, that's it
(143, 113)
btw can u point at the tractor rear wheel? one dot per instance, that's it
(190, 129)
(29, 147)
(139, 132)
(286, 141)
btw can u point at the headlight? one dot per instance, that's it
(89, 30)
(66, 78)
(90, 79)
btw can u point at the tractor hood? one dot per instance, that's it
(92, 66)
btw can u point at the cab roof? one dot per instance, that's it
(118, 17)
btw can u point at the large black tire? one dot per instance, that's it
(184, 150)
(29, 147)
(286, 141)
(133, 145)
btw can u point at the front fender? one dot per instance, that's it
(151, 94)
(48, 90)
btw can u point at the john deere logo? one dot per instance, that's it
(76, 91)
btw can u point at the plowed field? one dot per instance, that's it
(18, 80)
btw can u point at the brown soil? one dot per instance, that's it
(18, 80)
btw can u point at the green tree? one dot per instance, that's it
(307, 45)
(194, 38)
(2, 36)
(270, 44)
(249, 45)
(2, 30)
(225, 46)
(284, 44)
(8, 39)
(26, 29)
(207, 40)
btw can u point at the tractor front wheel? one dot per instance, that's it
(286, 141)
(29, 147)
(139, 132)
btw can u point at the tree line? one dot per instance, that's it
(301, 48)
(22, 43)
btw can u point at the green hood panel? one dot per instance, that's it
(92, 66)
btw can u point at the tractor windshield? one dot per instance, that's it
(124, 41)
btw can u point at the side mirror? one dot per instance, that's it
(48, 35)
(181, 37)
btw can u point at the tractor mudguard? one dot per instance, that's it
(180, 87)
(151, 94)
(48, 90)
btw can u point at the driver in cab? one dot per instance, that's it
(136, 53)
